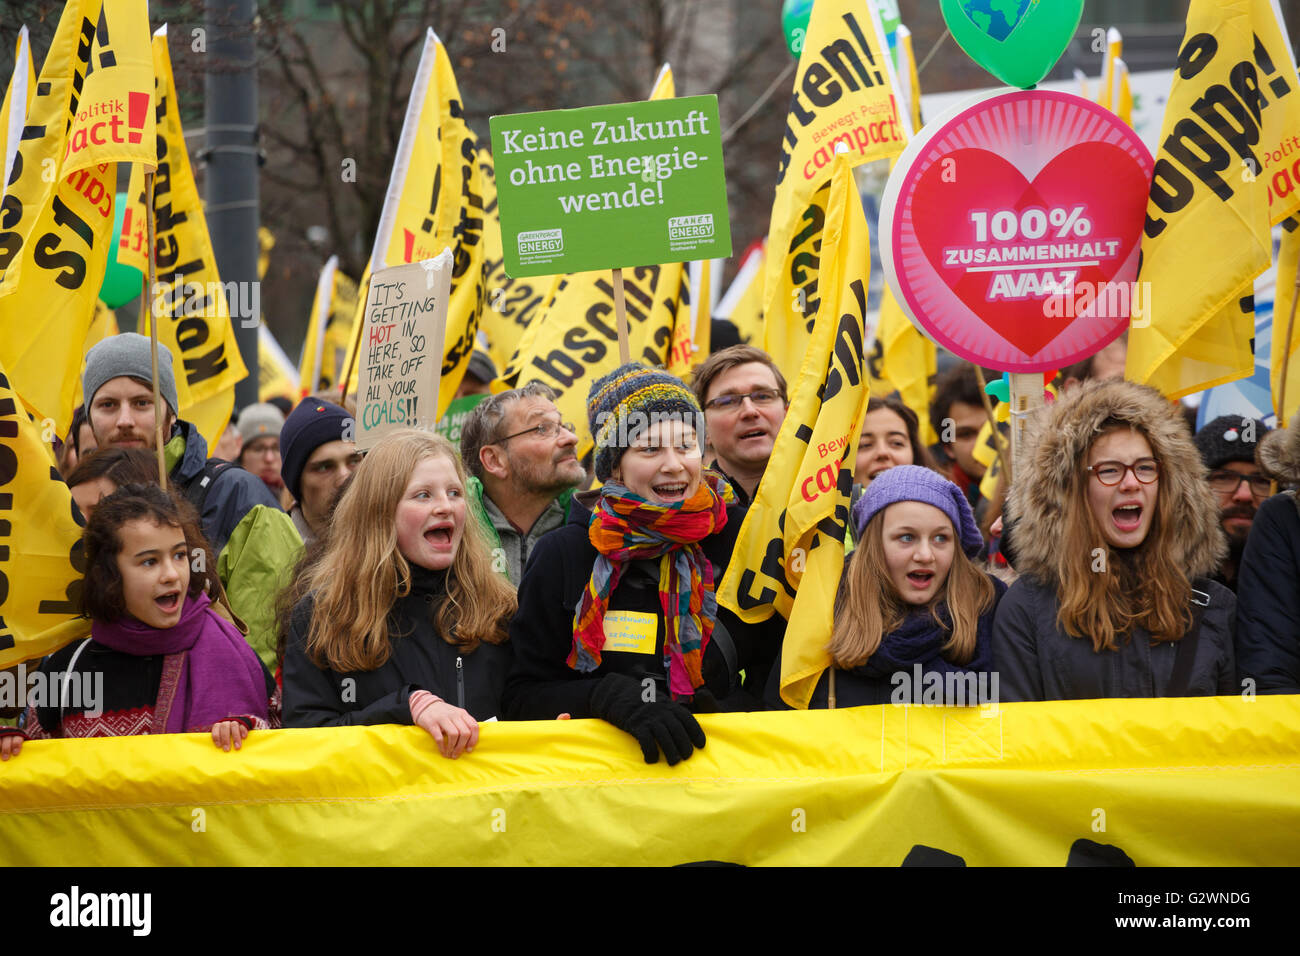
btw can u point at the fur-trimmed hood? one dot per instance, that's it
(1279, 455)
(1059, 435)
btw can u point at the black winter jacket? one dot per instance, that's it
(1268, 599)
(1037, 661)
(542, 685)
(231, 495)
(420, 660)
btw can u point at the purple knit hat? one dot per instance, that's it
(914, 483)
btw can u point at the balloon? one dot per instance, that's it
(121, 283)
(1018, 41)
(794, 21)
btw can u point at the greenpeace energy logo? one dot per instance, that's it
(690, 227)
(540, 244)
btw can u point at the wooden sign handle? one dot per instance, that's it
(620, 308)
(1026, 395)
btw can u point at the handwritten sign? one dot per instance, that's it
(401, 347)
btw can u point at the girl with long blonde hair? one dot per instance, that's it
(404, 619)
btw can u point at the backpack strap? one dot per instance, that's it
(1180, 682)
(197, 488)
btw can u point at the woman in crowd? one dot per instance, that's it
(405, 619)
(101, 473)
(914, 614)
(159, 658)
(617, 614)
(890, 437)
(1116, 536)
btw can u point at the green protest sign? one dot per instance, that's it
(607, 187)
(453, 420)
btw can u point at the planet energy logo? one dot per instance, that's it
(687, 232)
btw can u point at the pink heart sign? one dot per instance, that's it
(1010, 229)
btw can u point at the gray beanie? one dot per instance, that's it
(260, 420)
(128, 354)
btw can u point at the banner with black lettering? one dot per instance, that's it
(21, 89)
(1227, 170)
(844, 95)
(55, 232)
(790, 551)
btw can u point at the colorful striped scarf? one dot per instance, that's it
(625, 528)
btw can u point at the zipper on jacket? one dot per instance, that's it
(460, 682)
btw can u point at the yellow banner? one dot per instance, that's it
(41, 556)
(1164, 782)
(1286, 349)
(687, 351)
(435, 201)
(336, 296)
(743, 303)
(190, 302)
(276, 376)
(104, 325)
(844, 94)
(21, 89)
(55, 233)
(1114, 50)
(511, 304)
(904, 361)
(114, 122)
(790, 551)
(1214, 195)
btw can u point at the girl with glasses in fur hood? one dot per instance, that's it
(1117, 533)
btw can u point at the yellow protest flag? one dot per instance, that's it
(435, 201)
(510, 303)
(265, 243)
(986, 451)
(276, 376)
(21, 89)
(691, 335)
(41, 556)
(790, 551)
(904, 361)
(742, 305)
(55, 233)
(1123, 93)
(909, 78)
(114, 122)
(189, 301)
(1284, 363)
(103, 325)
(1207, 233)
(702, 312)
(844, 95)
(1114, 50)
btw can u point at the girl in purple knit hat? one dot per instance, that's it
(914, 614)
(159, 659)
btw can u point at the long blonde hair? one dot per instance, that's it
(362, 569)
(1143, 589)
(868, 606)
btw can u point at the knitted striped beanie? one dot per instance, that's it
(629, 400)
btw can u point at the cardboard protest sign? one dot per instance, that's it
(1011, 229)
(608, 187)
(401, 345)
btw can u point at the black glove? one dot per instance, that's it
(667, 725)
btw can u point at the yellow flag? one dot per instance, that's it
(434, 201)
(276, 376)
(54, 234)
(191, 304)
(575, 339)
(104, 325)
(1123, 93)
(510, 304)
(790, 551)
(844, 95)
(743, 303)
(1286, 348)
(1114, 50)
(1207, 232)
(987, 445)
(687, 349)
(114, 121)
(41, 560)
(904, 361)
(21, 89)
(909, 78)
(265, 243)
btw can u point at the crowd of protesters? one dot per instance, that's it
(425, 584)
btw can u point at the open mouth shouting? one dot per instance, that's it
(921, 580)
(670, 491)
(441, 536)
(169, 602)
(1128, 517)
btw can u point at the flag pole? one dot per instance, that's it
(147, 310)
(1026, 395)
(1286, 355)
(620, 308)
(993, 421)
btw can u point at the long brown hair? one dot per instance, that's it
(1138, 587)
(362, 568)
(868, 606)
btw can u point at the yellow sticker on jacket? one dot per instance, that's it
(632, 632)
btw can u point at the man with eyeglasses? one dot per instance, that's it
(1227, 446)
(523, 467)
(744, 398)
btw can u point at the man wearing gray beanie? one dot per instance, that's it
(117, 385)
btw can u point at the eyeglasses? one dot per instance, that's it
(1227, 483)
(761, 397)
(1110, 473)
(547, 429)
